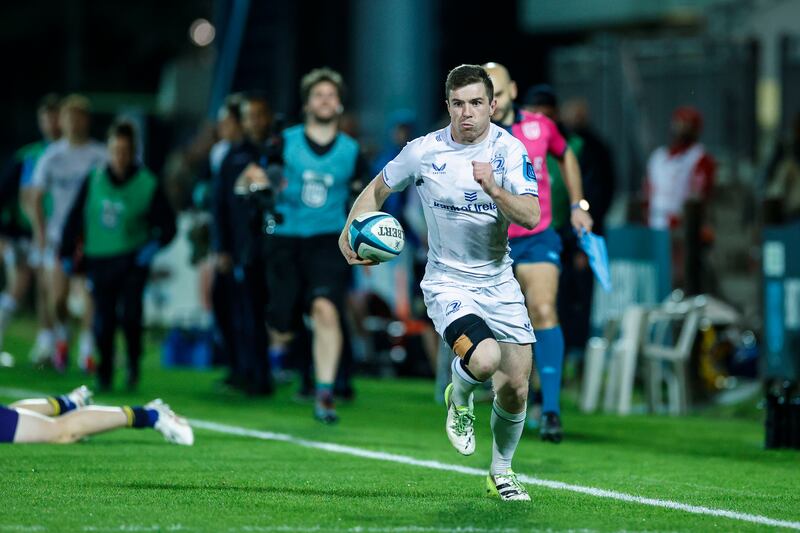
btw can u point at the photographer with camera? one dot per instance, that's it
(237, 245)
(321, 171)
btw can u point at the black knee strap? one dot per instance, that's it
(465, 333)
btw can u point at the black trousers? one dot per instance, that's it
(117, 285)
(251, 341)
(223, 304)
(575, 291)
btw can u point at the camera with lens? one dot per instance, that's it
(261, 194)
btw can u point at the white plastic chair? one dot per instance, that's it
(620, 356)
(668, 362)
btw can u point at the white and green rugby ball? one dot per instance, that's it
(377, 236)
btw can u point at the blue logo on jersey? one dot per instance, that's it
(438, 169)
(468, 208)
(498, 163)
(471, 196)
(452, 307)
(527, 169)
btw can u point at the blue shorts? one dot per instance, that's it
(8, 423)
(542, 247)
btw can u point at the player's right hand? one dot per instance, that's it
(483, 174)
(347, 251)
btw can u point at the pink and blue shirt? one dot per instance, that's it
(540, 136)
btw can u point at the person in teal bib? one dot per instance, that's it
(322, 171)
(124, 218)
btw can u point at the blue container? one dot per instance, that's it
(190, 347)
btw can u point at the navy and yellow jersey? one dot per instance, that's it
(8, 424)
(318, 183)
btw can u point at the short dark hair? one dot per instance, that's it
(318, 75)
(50, 103)
(541, 95)
(255, 96)
(464, 75)
(233, 106)
(123, 128)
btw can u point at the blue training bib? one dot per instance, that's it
(315, 197)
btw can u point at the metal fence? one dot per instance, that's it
(632, 86)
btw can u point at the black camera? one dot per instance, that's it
(262, 198)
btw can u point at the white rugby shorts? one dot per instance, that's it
(501, 306)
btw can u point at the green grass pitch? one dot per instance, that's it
(134, 481)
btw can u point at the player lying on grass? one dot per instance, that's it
(68, 418)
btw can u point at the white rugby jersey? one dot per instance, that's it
(467, 234)
(61, 171)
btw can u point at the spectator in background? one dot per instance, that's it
(237, 244)
(229, 130)
(679, 175)
(681, 171)
(231, 133)
(783, 186)
(577, 280)
(596, 160)
(124, 218)
(322, 169)
(15, 194)
(401, 131)
(60, 172)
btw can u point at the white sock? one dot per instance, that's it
(45, 337)
(86, 343)
(463, 384)
(507, 430)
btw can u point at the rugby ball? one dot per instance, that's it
(376, 236)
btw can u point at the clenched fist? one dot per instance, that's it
(484, 175)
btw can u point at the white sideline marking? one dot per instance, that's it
(137, 528)
(436, 465)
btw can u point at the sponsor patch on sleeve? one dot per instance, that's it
(527, 167)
